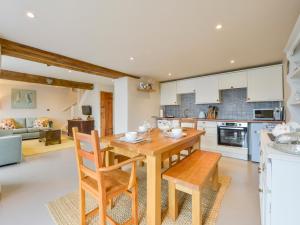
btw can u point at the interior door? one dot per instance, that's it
(106, 99)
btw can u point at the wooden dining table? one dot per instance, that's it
(156, 150)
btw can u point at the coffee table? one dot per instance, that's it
(50, 136)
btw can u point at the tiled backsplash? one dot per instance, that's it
(233, 106)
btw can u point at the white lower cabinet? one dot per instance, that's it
(279, 186)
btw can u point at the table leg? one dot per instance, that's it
(197, 145)
(154, 190)
(173, 201)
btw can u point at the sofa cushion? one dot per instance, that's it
(5, 132)
(20, 122)
(33, 129)
(30, 121)
(20, 131)
(41, 123)
(8, 124)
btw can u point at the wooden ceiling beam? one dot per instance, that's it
(25, 77)
(17, 50)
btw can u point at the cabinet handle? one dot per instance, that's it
(248, 98)
(217, 100)
(231, 87)
(260, 190)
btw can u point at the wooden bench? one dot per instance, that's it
(190, 175)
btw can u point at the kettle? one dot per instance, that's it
(202, 115)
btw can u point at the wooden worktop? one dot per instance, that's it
(222, 120)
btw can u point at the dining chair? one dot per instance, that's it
(103, 183)
(184, 123)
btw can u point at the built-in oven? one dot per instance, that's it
(233, 134)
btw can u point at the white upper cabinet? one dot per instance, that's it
(233, 80)
(207, 90)
(168, 93)
(265, 84)
(186, 86)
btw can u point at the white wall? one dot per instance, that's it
(92, 98)
(56, 99)
(133, 107)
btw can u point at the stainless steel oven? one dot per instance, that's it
(233, 134)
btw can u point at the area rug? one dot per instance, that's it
(65, 210)
(33, 147)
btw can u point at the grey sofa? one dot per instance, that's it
(25, 128)
(10, 148)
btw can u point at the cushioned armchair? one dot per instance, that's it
(10, 149)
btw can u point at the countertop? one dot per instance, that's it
(221, 120)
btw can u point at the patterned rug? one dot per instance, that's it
(33, 147)
(65, 210)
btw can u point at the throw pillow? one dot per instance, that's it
(41, 123)
(8, 124)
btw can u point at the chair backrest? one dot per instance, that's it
(188, 123)
(95, 156)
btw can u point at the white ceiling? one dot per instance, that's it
(163, 36)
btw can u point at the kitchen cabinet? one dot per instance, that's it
(207, 90)
(278, 185)
(265, 84)
(168, 93)
(186, 86)
(233, 80)
(209, 141)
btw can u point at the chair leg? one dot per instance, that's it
(102, 210)
(134, 207)
(173, 201)
(82, 207)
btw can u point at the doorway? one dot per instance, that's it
(106, 103)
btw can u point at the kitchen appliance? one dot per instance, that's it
(202, 115)
(233, 134)
(268, 114)
(254, 139)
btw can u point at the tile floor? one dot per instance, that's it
(28, 186)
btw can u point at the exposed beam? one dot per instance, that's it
(17, 50)
(25, 77)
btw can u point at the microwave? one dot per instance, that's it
(267, 114)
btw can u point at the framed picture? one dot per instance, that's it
(23, 99)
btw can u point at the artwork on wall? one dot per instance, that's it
(23, 99)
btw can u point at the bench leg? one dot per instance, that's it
(196, 208)
(173, 201)
(215, 180)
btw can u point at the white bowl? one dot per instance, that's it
(142, 129)
(131, 136)
(177, 132)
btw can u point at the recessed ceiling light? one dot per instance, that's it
(70, 71)
(219, 27)
(232, 61)
(169, 74)
(30, 14)
(131, 58)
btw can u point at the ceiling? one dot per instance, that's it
(168, 36)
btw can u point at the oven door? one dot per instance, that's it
(233, 136)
